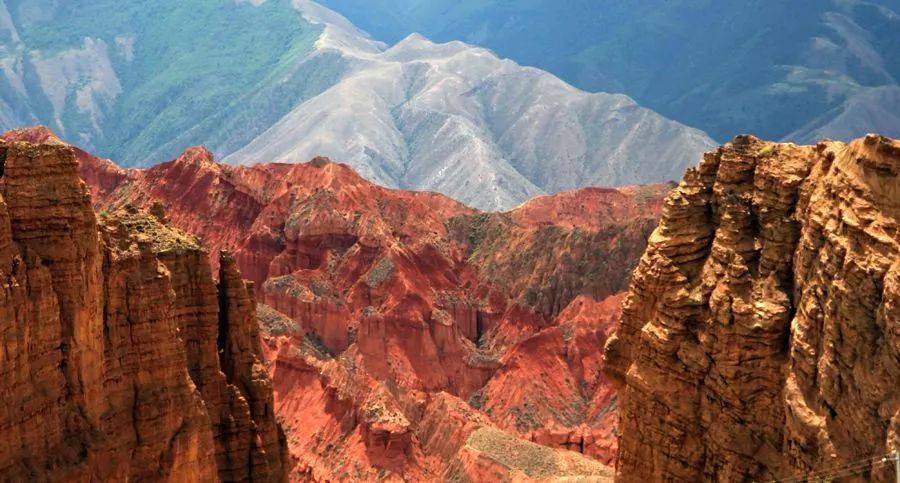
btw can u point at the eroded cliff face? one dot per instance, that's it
(760, 337)
(109, 355)
(377, 303)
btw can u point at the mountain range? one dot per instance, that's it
(295, 80)
(798, 71)
(459, 120)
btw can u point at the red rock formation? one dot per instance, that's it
(101, 175)
(407, 295)
(344, 425)
(554, 248)
(102, 351)
(761, 334)
(240, 357)
(549, 386)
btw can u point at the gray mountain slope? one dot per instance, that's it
(771, 68)
(459, 120)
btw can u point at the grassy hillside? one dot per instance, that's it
(178, 63)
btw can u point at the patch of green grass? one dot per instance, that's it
(286, 285)
(536, 461)
(273, 322)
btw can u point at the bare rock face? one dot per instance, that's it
(760, 337)
(414, 292)
(550, 388)
(379, 302)
(344, 425)
(109, 356)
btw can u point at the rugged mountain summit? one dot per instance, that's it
(398, 325)
(459, 120)
(110, 362)
(826, 69)
(759, 338)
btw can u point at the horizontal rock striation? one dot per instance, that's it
(760, 337)
(108, 343)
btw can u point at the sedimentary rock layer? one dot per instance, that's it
(379, 298)
(110, 336)
(761, 334)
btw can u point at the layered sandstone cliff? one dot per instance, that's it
(761, 334)
(111, 334)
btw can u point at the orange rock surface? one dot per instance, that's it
(760, 338)
(391, 317)
(108, 360)
(550, 387)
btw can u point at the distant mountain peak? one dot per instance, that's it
(416, 46)
(339, 34)
(457, 119)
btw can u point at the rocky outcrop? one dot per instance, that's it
(240, 356)
(101, 175)
(759, 338)
(345, 425)
(108, 368)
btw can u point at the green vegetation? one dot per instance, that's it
(275, 323)
(724, 66)
(478, 399)
(483, 232)
(286, 285)
(192, 62)
(533, 460)
(526, 420)
(314, 346)
(380, 273)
